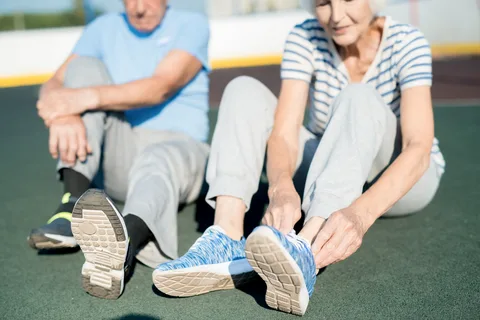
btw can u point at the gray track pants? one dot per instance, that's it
(360, 141)
(151, 171)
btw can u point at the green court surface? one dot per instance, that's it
(425, 266)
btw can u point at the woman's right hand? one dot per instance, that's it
(284, 209)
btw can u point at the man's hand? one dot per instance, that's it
(340, 237)
(62, 102)
(284, 209)
(68, 138)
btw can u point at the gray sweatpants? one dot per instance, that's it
(361, 139)
(151, 171)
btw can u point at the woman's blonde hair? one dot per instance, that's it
(376, 5)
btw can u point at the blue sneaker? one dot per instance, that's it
(287, 266)
(214, 262)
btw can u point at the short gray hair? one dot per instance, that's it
(376, 5)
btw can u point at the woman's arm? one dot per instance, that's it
(282, 145)
(342, 233)
(282, 151)
(417, 135)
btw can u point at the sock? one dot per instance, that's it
(74, 182)
(138, 232)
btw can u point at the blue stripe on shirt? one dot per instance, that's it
(400, 32)
(325, 93)
(295, 70)
(412, 50)
(298, 54)
(299, 45)
(416, 79)
(328, 84)
(413, 59)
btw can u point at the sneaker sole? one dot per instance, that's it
(44, 241)
(286, 289)
(203, 279)
(101, 233)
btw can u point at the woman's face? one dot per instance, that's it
(344, 20)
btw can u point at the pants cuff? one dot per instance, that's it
(229, 186)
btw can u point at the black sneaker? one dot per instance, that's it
(57, 233)
(100, 231)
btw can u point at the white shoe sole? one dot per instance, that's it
(100, 231)
(202, 279)
(51, 241)
(286, 289)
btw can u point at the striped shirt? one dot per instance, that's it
(403, 61)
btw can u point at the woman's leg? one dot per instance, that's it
(357, 145)
(217, 259)
(245, 121)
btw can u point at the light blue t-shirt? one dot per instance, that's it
(131, 55)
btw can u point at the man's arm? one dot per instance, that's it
(176, 70)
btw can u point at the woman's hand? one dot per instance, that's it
(284, 209)
(340, 237)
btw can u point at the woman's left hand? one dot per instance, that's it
(340, 237)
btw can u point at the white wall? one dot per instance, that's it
(41, 52)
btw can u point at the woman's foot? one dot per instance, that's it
(287, 266)
(214, 262)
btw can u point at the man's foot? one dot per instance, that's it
(214, 262)
(57, 233)
(287, 266)
(100, 231)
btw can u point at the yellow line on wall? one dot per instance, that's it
(252, 61)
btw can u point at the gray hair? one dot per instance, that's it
(376, 5)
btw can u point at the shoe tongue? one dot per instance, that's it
(216, 228)
(293, 237)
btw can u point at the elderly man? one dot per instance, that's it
(132, 97)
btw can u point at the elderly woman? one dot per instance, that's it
(368, 147)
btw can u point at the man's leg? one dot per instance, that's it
(217, 260)
(81, 72)
(166, 173)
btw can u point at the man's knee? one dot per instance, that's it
(86, 72)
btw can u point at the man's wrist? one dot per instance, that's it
(94, 98)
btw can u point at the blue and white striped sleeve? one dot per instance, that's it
(297, 60)
(415, 61)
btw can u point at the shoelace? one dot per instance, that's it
(296, 240)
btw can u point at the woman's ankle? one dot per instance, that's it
(229, 215)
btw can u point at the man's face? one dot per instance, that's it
(145, 15)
